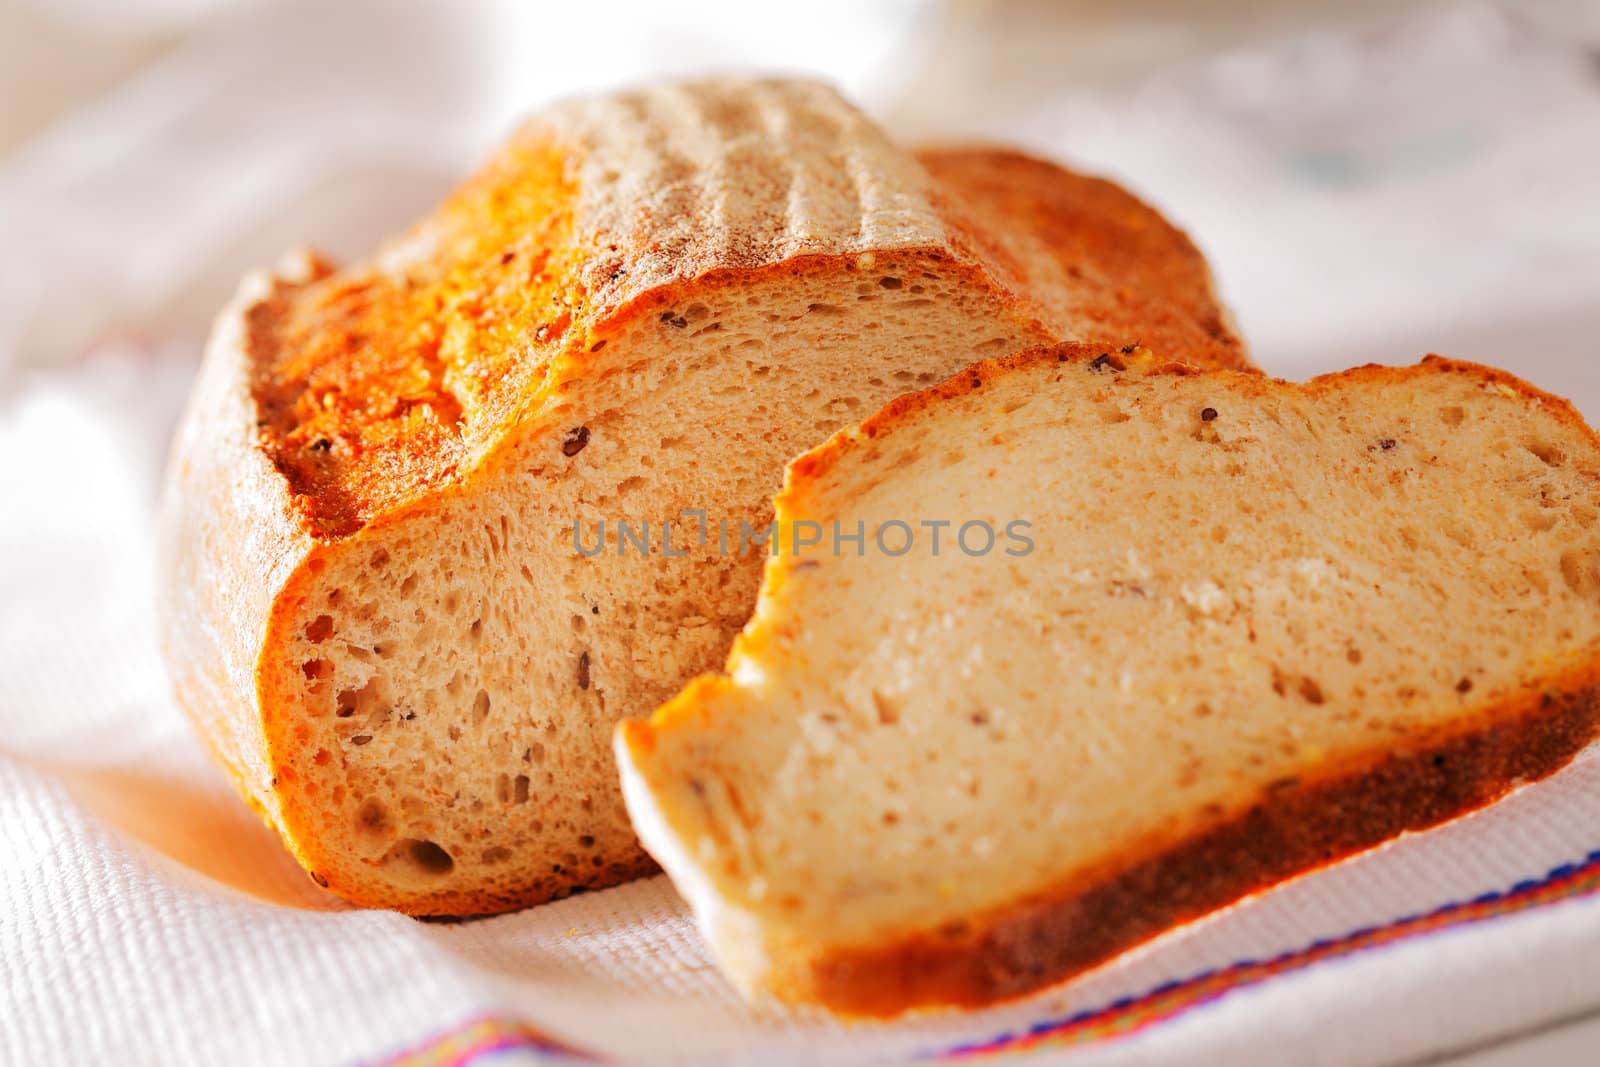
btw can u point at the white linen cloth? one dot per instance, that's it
(147, 917)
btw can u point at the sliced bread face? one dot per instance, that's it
(1256, 626)
(375, 607)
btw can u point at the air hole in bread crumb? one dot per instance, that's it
(1548, 454)
(319, 629)
(497, 854)
(1580, 571)
(316, 669)
(365, 699)
(372, 818)
(1353, 654)
(1540, 521)
(519, 789)
(1453, 415)
(1311, 691)
(1464, 686)
(480, 706)
(425, 857)
(408, 586)
(888, 712)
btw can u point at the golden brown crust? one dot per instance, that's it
(226, 514)
(378, 385)
(1093, 251)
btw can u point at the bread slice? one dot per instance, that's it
(374, 607)
(1252, 627)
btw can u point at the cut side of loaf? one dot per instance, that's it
(1250, 627)
(375, 605)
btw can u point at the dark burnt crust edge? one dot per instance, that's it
(1035, 945)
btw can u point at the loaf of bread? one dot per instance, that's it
(1244, 628)
(379, 606)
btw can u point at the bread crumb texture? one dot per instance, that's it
(1264, 625)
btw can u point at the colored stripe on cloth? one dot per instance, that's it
(481, 1038)
(485, 1036)
(1131, 1014)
